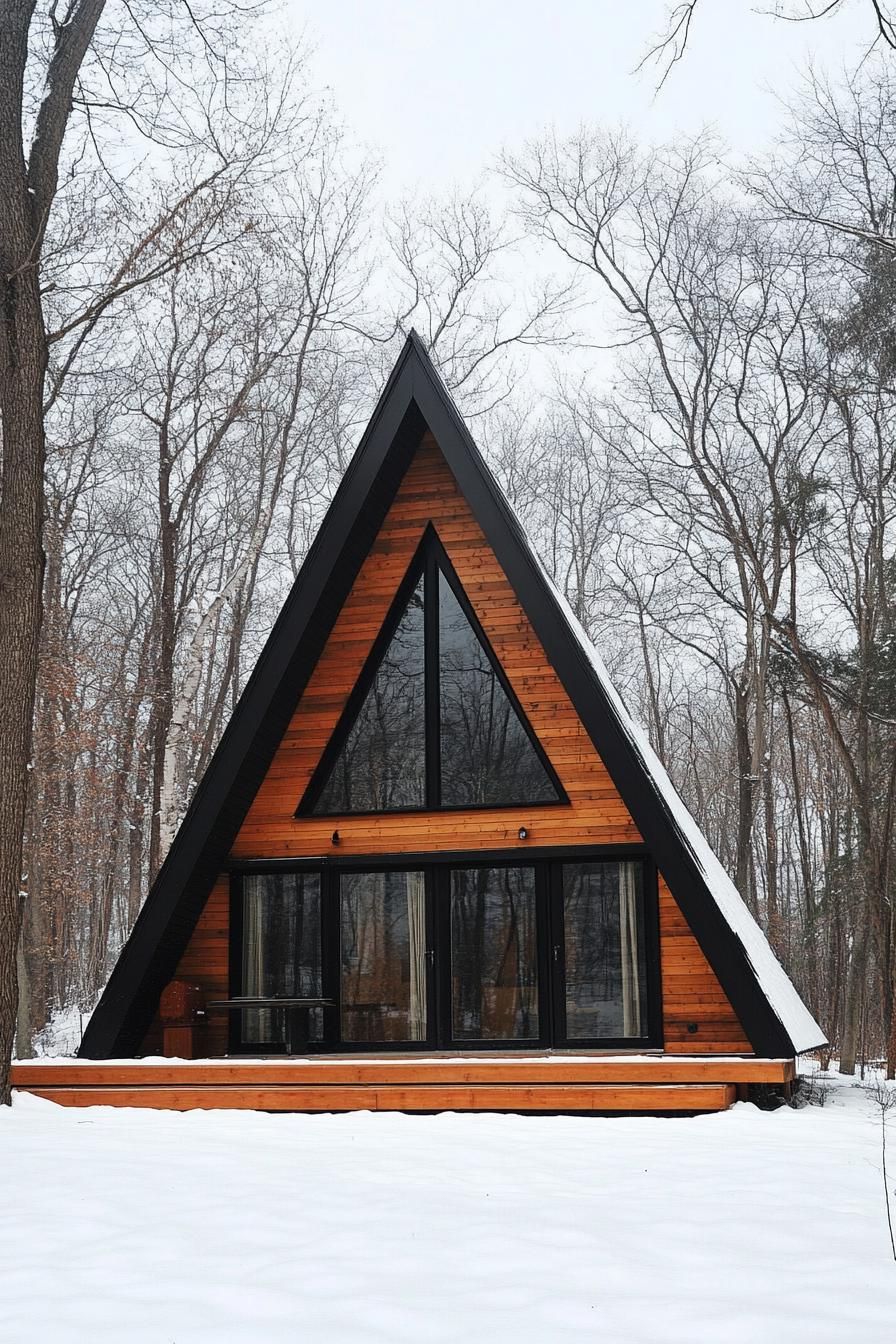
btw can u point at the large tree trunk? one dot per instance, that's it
(26, 196)
(22, 367)
(23, 362)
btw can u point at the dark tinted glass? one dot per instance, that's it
(487, 755)
(603, 921)
(494, 976)
(383, 953)
(382, 766)
(282, 956)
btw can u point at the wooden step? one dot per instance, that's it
(402, 1070)
(591, 1098)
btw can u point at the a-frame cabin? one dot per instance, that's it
(433, 863)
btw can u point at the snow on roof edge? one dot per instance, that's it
(794, 1016)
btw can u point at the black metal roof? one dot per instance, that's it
(413, 400)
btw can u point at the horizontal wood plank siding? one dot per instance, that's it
(206, 962)
(692, 995)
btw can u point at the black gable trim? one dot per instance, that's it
(414, 399)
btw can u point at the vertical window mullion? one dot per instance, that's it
(431, 684)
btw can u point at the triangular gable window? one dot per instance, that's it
(432, 721)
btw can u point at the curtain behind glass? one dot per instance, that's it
(383, 956)
(604, 956)
(416, 899)
(629, 950)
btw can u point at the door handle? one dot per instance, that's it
(556, 951)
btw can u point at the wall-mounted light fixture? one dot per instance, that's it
(523, 833)
(334, 838)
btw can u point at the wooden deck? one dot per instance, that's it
(499, 1083)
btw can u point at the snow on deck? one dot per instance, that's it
(224, 1227)
(396, 1059)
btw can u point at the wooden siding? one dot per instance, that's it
(205, 962)
(692, 995)
(595, 815)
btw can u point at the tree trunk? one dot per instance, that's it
(23, 364)
(746, 786)
(164, 677)
(855, 980)
(24, 1037)
(26, 195)
(772, 902)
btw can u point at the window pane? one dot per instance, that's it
(487, 755)
(382, 764)
(383, 956)
(282, 956)
(606, 978)
(494, 977)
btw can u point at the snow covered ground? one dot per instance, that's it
(150, 1227)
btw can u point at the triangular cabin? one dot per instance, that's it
(433, 863)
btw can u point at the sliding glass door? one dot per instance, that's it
(382, 968)
(447, 955)
(281, 958)
(604, 970)
(493, 954)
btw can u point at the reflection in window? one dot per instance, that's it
(281, 955)
(606, 991)
(494, 974)
(487, 755)
(470, 732)
(382, 765)
(383, 956)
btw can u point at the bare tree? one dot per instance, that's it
(455, 267)
(671, 43)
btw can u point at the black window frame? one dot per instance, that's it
(430, 559)
(436, 867)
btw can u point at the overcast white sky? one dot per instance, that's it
(439, 89)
